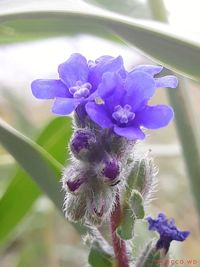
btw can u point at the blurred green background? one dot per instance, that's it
(43, 237)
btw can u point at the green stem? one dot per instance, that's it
(184, 116)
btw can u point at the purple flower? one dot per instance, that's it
(125, 109)
(167, 230)
(79, 81)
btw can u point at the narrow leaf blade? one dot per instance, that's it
(13, 208)
(158, 41)
(43, 168)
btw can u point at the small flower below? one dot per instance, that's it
(167, 230)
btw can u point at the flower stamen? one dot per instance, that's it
(80, 90)
(123, 114)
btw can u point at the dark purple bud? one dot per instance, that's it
(74, 177)
(110, 169)
(73, 185)
(83, 144)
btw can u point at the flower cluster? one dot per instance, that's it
(111, 107)
(108, 94)
(167, 230)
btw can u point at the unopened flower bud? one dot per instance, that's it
(110, 170)
(100, 204)
(83, 144)
(74, 185)
(73, 179)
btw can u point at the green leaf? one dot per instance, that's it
(23, 191)
(126, 227)
(136, 204)
(44, 18)
(43, 168)
(137, 177)
(134, 8)
(132, 210)
(16, 202)
(98, 259)
(17, 108)
(55, 138)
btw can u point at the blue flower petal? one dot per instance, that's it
(150, 69)
(131, 133)
(49, 89)
(182, 235)
(98, 114)
(166, 81)
(154, 117)
(140, 88)
(64, 106)
(167, 230)
(73, 70)
(108, 84)
(104, 59)
(116, 98)
(105, 64)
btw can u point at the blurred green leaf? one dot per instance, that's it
(7, 166)
(17, 108)
(186, 123)
(22, 191)
(188, 131)
(133, 8)
(156, 40)
(42, 167)
(97, 259)
(55, 138)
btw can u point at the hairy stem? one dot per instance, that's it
(119, 245)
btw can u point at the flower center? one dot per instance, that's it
(80, 89)
(123, 114)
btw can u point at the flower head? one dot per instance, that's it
(167, 230)
(79, 81)
(125, 109)
(114, 98)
